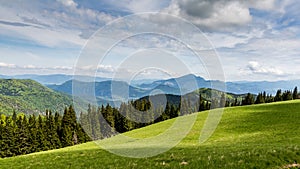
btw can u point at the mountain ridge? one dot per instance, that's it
(178, 86)
(30, 97)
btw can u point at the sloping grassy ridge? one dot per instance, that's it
(258, 136)
(28, 96)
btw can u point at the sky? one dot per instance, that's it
(252, 40)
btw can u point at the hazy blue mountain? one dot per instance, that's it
(106, 90)
(53, 78)
(175, 86)
(187, 84)
(143, 87)
(256, 87)
(137, 82)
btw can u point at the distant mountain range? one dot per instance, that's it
(144, 87)
(29, 96)
(232, 87)
(62, 78)
(111, 89)
(52, 79)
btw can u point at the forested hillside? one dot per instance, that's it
(28, 96)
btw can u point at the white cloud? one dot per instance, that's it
(58, 24)
(144, 6)
(12, 69)
(30, 67)
(262, 4)
(257, 68)
(68, 3)
(220, 15)
(7, 65)
(137, 6)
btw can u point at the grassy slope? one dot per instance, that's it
(259, 136)
(28, 96)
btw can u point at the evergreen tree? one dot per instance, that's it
(57, 123)
(295, 93)
(14, 116)
(264, 96)
(287, 95)
(223, 101)
(51, 132)
(129, 125)
(32, 127)
(82, 136)
(2, 138)
(260, 98)
(22, 136)
(41, 135)
(248, 100)
(110, 118)
(97, 122)
(236, 102)
(9, 138)
(200, 102)
(278, 96)
(68, 127)
(85, 123)
(214, 103)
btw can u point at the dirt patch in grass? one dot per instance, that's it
(295, 165)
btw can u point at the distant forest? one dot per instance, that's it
(23, 134)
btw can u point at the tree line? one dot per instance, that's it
(106, 121)
(21, 134)
(268, 98)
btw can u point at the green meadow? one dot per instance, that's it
(256, 136)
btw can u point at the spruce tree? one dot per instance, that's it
(2, 138)
(96, 120)
(295, 93)
(66, 129)
(69, 135)
(22, 136)
(41, 135)
(32, 127)
(51, 131)
(223, 100)
(85, 123)
(248, 100)
(278, 96)
(260, 98)
(9, 138)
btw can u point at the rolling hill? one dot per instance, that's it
(52, 78)
(28, 96)
(257, 136)
(193, 97)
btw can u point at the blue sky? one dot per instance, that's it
(255, 40)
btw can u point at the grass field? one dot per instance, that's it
(258, 136)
